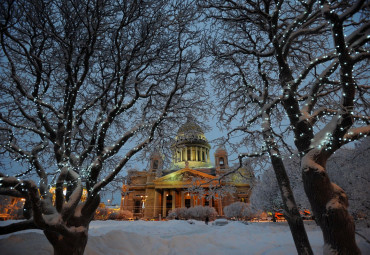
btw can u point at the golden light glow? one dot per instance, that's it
(83, 197)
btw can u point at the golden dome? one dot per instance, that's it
(190, 127)
(191, 133)
(191, 147)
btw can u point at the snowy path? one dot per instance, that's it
(176, 238)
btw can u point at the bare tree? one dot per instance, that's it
(296, 70)
(348, 167)
(85, 86)
(265, 195)
(232, 70)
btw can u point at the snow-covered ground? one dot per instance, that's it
(178, 237)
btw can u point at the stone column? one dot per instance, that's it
(182, 199)
(164, 201)
(178, 198)
(220, 212)
(122, 202)
(155, 206)
(173, 193)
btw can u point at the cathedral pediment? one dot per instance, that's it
(184, 175)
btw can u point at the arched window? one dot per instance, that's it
(221, 162)
(155, 164)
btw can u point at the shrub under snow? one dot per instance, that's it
(120, 215)
(179, 213)
(101, 214)
(238, 210)
(111, 214)
(197, 213)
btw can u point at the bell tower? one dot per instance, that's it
(156, 162)
(221, 160)
(156, 165)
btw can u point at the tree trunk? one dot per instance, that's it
(329, 205)
(71, 245)
(292, 214)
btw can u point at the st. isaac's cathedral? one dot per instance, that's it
(153, 193)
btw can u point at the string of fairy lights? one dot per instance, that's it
(327, 139)
(323, 141)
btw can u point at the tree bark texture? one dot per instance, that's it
(292, 214)
(72, 245)
(329, 205)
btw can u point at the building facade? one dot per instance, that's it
(153, 193)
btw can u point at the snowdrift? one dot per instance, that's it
(177, 237)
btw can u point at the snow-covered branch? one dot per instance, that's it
(83, 83)
(356, 134)
(18, 226)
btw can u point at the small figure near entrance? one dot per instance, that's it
(207, 220)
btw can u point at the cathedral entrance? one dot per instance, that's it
(137, 207)
(206, 201)
(187, 203)
(168, 204)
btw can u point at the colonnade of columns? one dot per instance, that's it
(178, 200)
(193, 153)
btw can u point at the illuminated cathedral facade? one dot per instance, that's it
(151, 194)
